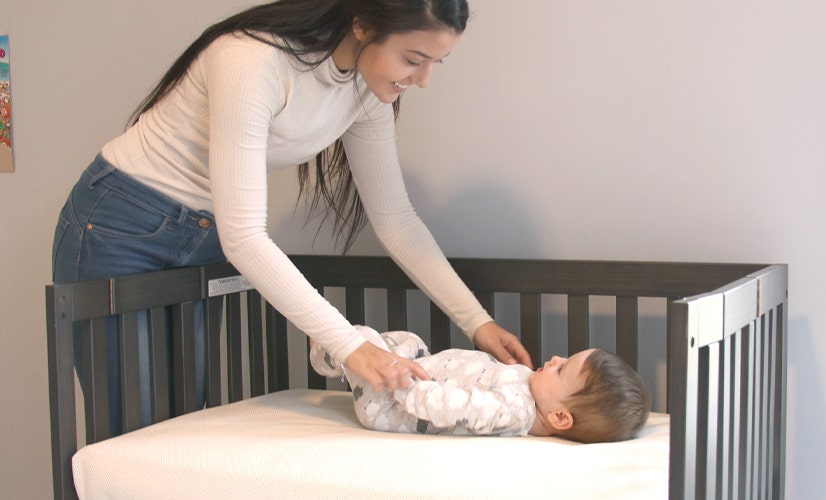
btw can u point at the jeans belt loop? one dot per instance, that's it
(105, 169)
(183, 213)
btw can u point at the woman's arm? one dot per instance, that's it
(371, 150)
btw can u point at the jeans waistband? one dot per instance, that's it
(101, 169)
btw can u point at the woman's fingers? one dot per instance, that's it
(399, 373)
(384, 370)
(418, 372)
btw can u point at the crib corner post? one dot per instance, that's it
(682, 400)
(774, 296)
(60, 347)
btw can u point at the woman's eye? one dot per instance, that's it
(411, 62)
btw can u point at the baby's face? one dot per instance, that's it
(552, 383)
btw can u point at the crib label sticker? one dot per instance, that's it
(6, 162)
(224, 286)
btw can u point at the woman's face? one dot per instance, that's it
(402, 60)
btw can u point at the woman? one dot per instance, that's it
(266, 89)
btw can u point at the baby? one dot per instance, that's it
(593, 396)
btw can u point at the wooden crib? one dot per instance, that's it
(726, 349)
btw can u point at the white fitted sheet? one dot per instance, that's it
(308, 444)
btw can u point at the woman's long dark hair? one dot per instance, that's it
(306, 29)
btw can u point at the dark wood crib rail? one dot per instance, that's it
(168, 299)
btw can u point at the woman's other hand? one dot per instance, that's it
(501, 344)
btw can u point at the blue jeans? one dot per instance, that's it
(113, 225)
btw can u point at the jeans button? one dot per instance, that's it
(204, 223)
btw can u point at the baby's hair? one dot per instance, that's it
(613, 404)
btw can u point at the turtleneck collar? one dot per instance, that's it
(328, 73)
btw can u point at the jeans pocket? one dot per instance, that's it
(118, 215)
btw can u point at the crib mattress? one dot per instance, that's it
(308, 444)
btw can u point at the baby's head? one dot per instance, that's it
(593, 396)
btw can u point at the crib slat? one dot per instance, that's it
(769, 329)
(235, 381)
(762, 408)
(212, 346)
(756, 423)
(779, 395)
(158, 364)
(746, 413)
(396, 309)
(439, 329)
(256, 352)
(724, 425)
(129, 371)
(487, 301)
(530, 325)
(354, 305)
(93, 367)
(737, 438)
(278, 369)
(770, 403)
(183, 355)
(60, 350)
(765, 408)
(754, 414)
(627, 324)
(578, 324)
(707, 437)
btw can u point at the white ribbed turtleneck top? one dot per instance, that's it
(246, 108)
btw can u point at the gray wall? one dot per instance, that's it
(584, 130)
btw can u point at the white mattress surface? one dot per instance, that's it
(308, 444)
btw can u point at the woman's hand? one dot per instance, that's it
(384, 370)
(501, 344)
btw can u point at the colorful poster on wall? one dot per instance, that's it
(6, 161)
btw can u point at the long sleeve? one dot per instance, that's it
(241, 112)
(243, 109)
(371, 149)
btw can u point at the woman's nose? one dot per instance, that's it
(422, 76)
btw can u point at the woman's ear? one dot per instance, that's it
(361, 30)
(561, 419)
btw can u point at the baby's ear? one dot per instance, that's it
(561, 419)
